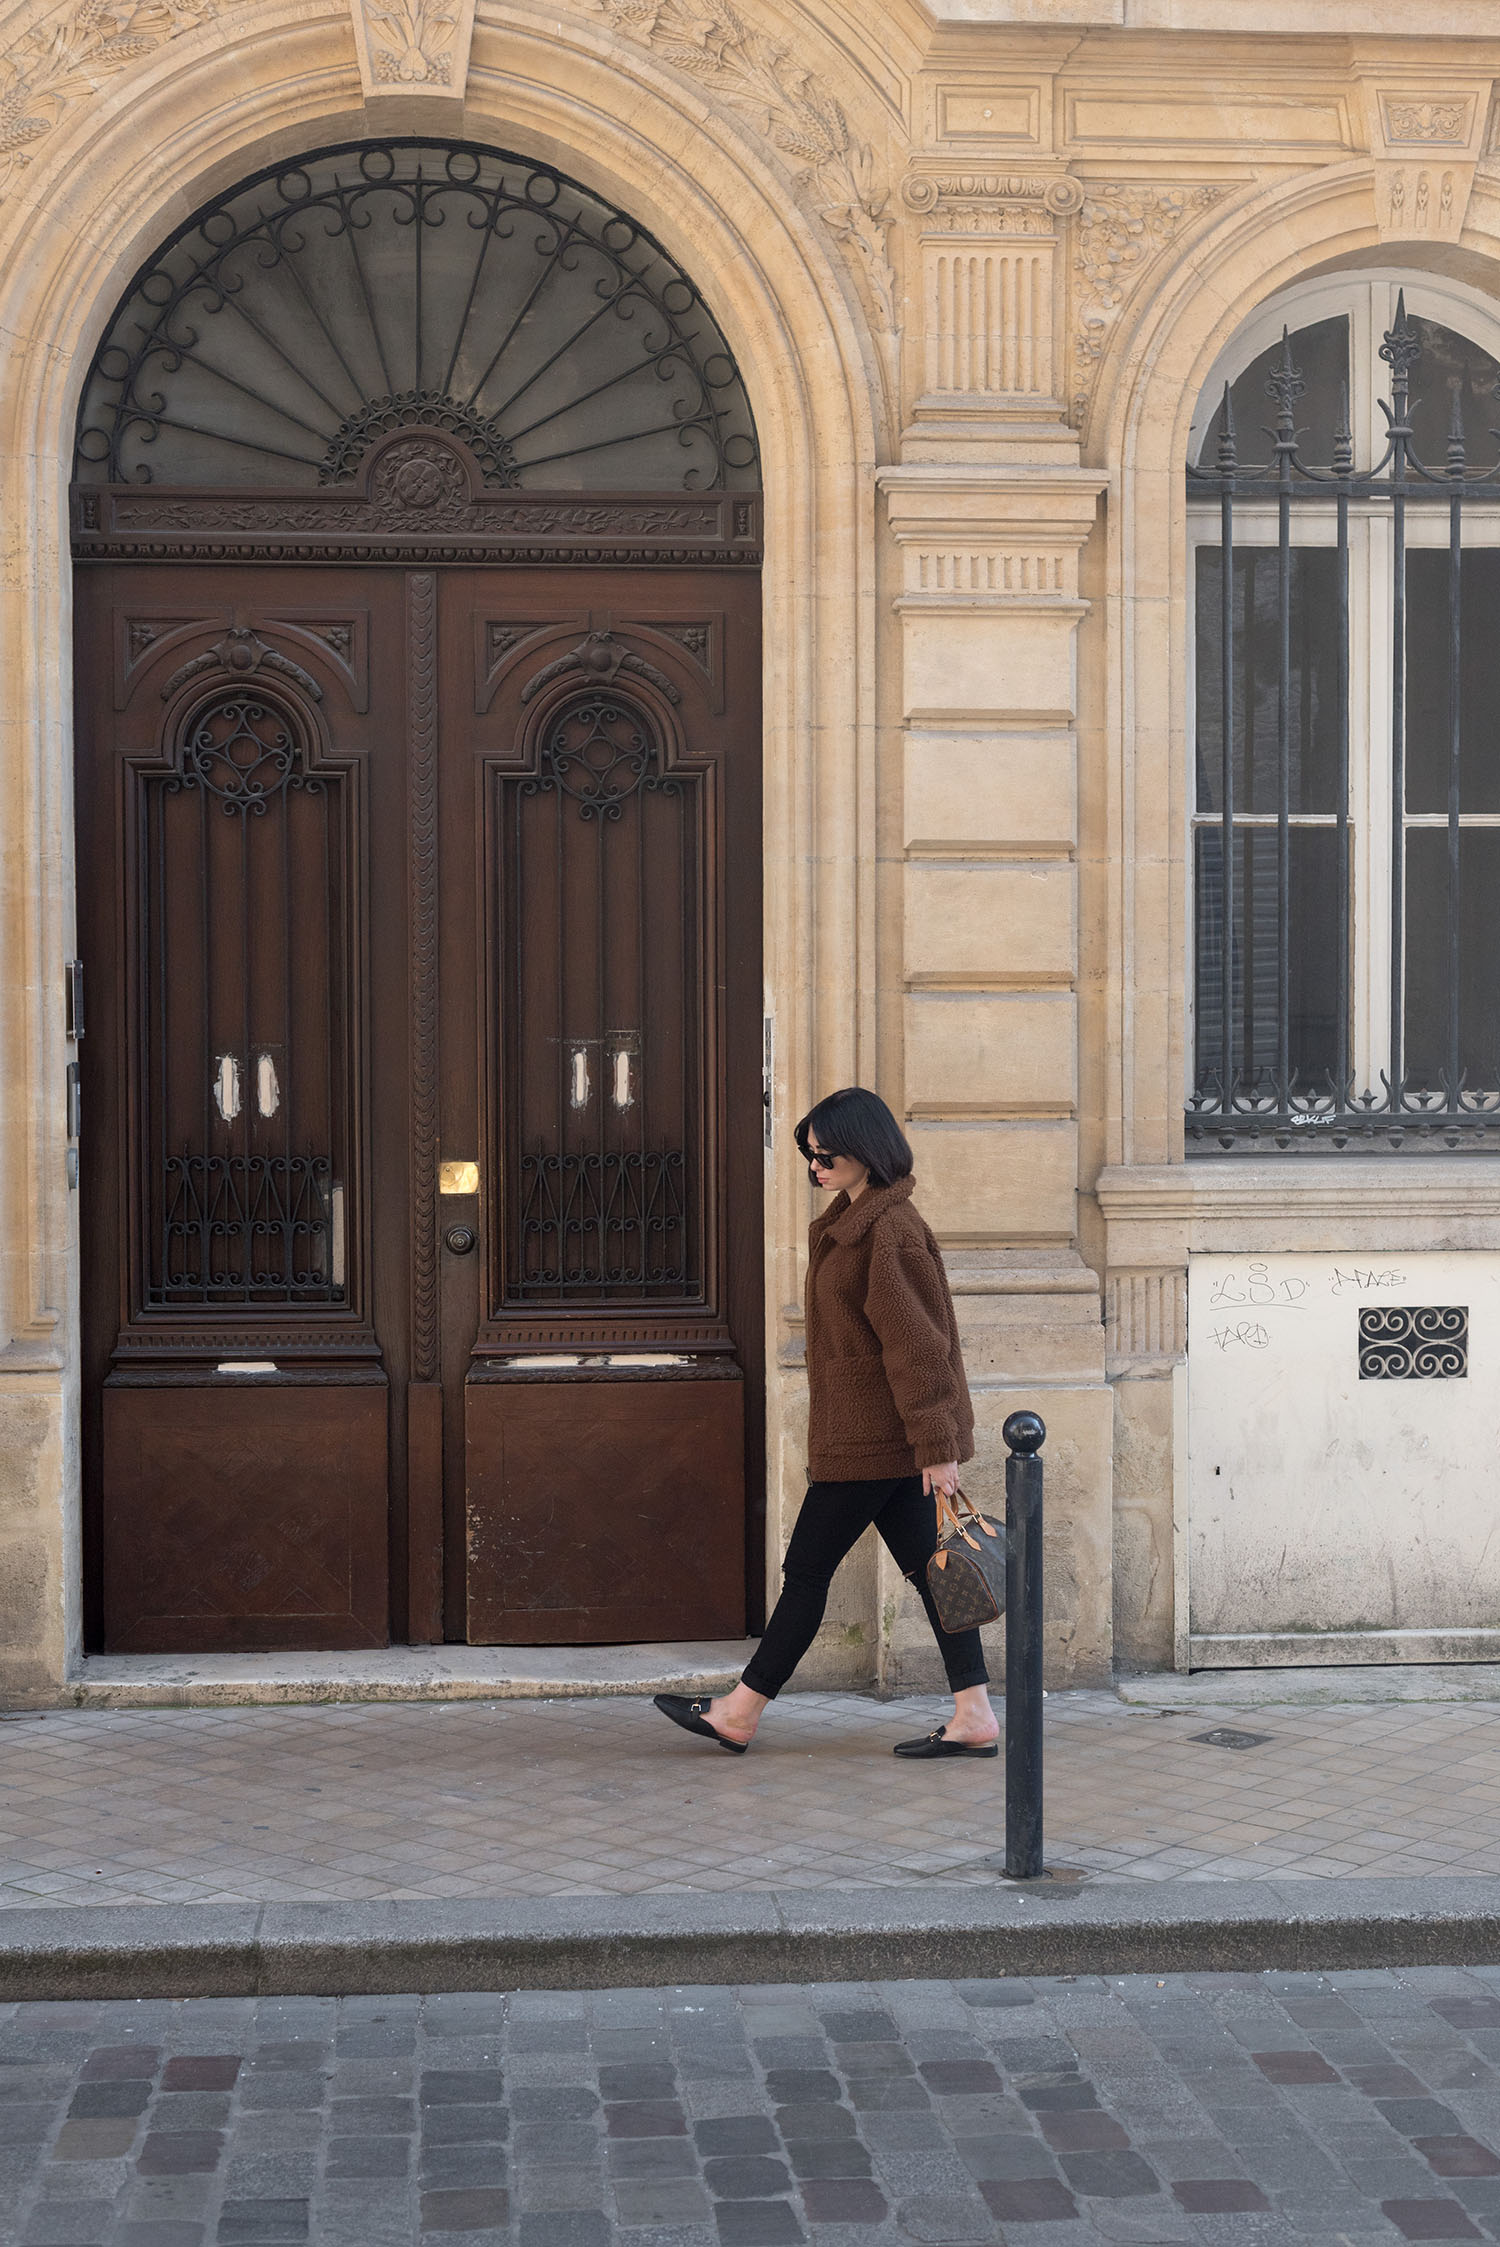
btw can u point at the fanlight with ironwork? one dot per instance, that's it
(415, 284)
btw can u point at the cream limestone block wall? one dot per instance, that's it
(988, 612)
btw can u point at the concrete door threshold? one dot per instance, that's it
(402, 1673)
(1366, 1682)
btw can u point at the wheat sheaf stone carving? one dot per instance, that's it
(763, 79)
(411, 43)
(1120, 231)
(67, 53)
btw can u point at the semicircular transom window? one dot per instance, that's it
(419, 283)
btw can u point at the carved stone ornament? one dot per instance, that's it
(242, 653)
(1430, 124)
(67, 53)
(600, 658)
(1121, 230)
(413, 46)
(989, 202)
(793, 108)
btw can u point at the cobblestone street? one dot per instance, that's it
(1265, 2109)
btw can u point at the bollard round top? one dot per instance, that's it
(1025, 1433)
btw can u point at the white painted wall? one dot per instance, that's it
(1320, 1503)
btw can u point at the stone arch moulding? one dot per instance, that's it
(1161, 354)
(86, 212)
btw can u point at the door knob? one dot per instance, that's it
(461, 1239)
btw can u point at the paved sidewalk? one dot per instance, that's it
(1273, 2110)
(604, 1798)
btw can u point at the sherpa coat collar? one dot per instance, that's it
(849, 1221)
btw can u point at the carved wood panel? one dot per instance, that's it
(366, 854)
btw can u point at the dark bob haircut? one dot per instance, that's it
(858, 1124)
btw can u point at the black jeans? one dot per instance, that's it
(834, 1517)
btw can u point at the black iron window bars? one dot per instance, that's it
(1277, 935)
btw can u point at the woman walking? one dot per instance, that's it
(889, 1421)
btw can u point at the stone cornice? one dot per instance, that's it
(1158, 1213)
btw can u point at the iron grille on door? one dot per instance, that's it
(601, 1002)
(1287, 1053)
(243, 970)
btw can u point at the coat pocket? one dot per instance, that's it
(859, 1409)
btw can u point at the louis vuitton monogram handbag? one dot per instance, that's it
(966, 1575)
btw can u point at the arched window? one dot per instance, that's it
(398, 284)
(1344, 524)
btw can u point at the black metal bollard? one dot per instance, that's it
(1024, 1435)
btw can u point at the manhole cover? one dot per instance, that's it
(1224, 1736)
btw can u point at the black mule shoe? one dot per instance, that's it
(690, 1715)
(935, 1744)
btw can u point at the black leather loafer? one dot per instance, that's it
(935, 1744)
(692, 1717)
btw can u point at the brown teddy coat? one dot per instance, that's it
(884, 1371)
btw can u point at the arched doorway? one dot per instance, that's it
(418, 780)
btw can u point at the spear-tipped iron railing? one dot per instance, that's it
(1234, 1105)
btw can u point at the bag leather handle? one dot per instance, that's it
(955, 1525)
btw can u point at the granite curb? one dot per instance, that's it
(928, 1931)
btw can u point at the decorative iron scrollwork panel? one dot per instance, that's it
(603, 966)
(603, 1221)
(248, 1228)
(243, 963)
(1414, 1343)
(290, 327)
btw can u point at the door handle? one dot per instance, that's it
(462, 1239)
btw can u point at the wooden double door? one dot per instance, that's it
(419, 914)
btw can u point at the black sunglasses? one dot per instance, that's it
(822, 1158)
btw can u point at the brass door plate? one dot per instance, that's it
(458, 1178)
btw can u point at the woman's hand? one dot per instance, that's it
(944, 1479)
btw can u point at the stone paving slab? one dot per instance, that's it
(603, 1797)
(1275, 2109)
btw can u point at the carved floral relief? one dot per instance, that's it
(764, 80)
(1120, 230)
(67, 52)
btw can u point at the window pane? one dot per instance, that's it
(1451, 366)
(1427, 984)
(1313, 681)
(1313, 935)
(1428, 614)
(1321, 356)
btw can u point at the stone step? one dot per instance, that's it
(403, 1673)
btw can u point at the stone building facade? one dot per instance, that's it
(978, 267)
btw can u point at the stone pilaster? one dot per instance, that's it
(989, 610)
(991, 312)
